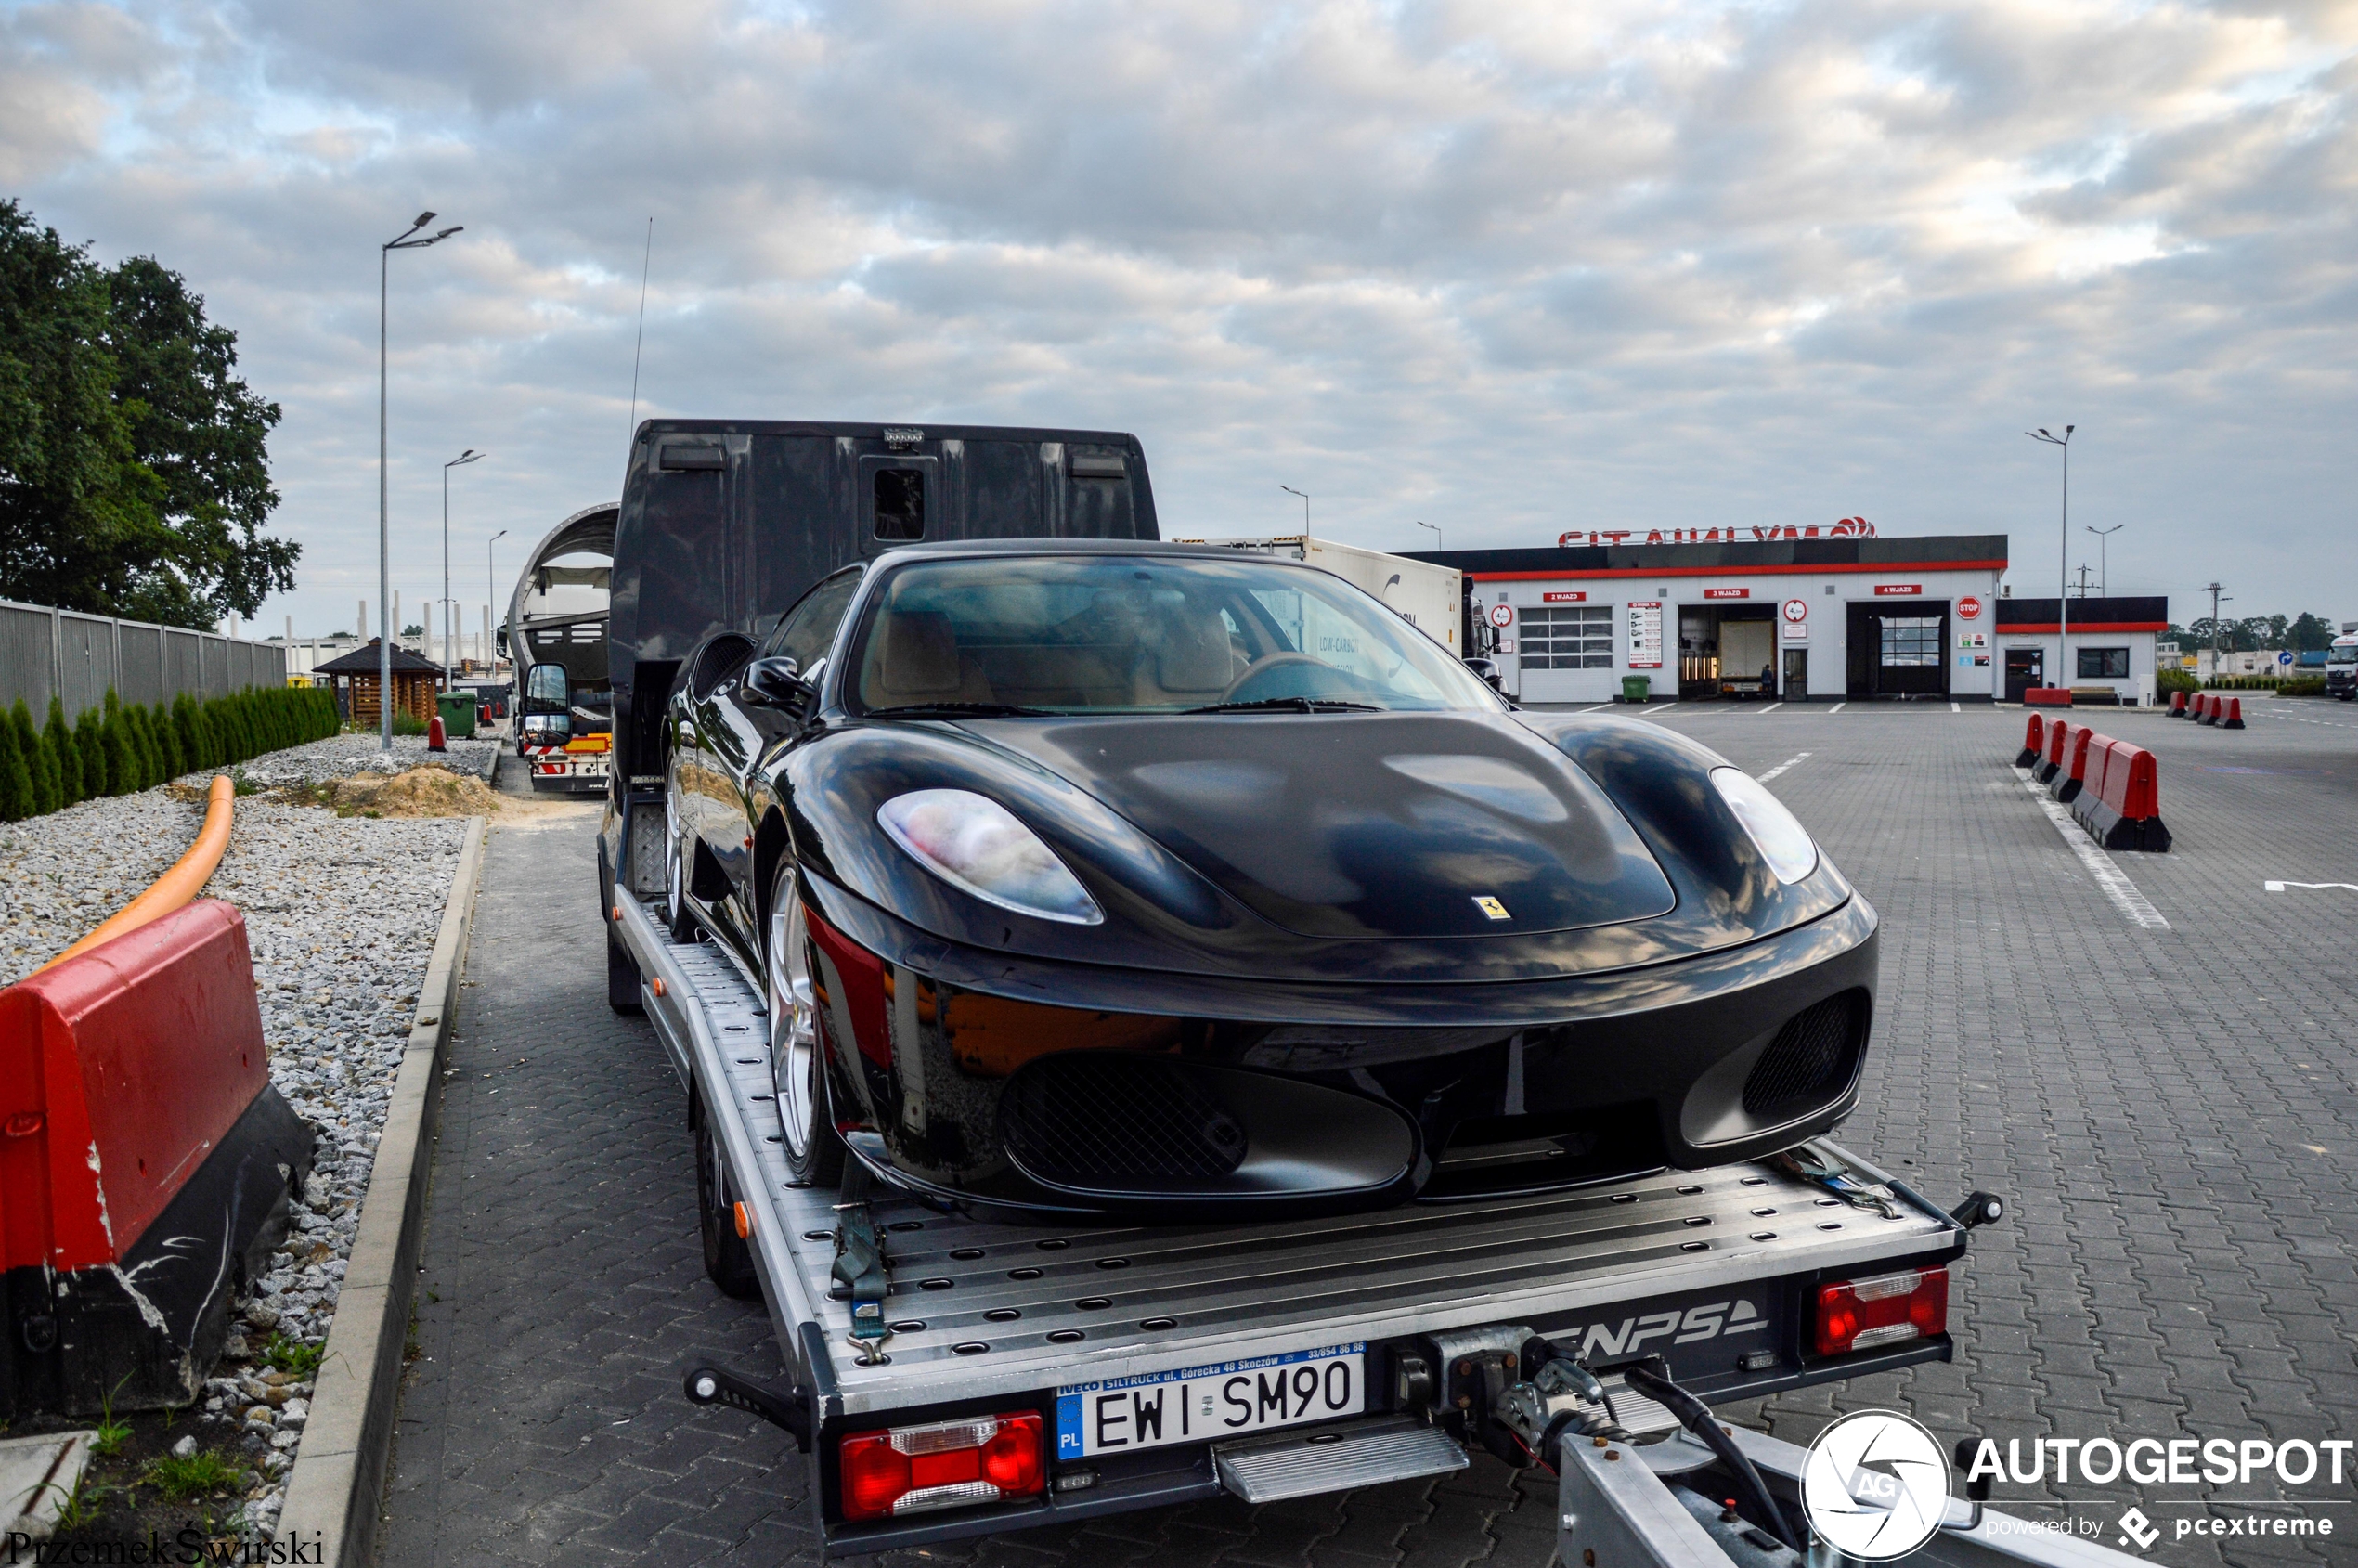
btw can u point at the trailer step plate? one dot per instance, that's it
(1268, 1470)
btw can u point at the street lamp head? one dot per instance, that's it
(448, 232)
(497, 536)
(423, 219)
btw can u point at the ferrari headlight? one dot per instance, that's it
(975, 844)
(1784, 842)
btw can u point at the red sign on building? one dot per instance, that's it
(1968, 608)
(1898, 591)
(1565, 598)
(1726, 593)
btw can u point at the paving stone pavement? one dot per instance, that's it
(2170, 1111)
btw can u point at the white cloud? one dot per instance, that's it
(1509, 267)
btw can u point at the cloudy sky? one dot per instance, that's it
(1508, 268)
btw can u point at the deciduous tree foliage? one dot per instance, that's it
(134, 479)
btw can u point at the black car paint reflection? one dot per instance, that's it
(1295, 999)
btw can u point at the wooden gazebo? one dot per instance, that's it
(415, 680)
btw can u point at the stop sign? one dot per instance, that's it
(1968, 608)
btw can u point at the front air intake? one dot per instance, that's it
(1109, 1122)
(1811, 1062)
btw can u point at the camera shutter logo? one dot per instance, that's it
(1875, 1486)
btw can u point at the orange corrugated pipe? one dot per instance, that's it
(175, 887)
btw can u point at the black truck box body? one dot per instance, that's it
(726, 523)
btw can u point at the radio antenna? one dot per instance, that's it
(637, 347)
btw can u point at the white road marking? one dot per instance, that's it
(2101, 868)
(1954, 708)
(1658, 708)
(2280, 887)
(1772, 707)
(1782, 766)
(1599, 708)
(1837, 707)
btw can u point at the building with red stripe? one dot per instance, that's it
(1822, 614)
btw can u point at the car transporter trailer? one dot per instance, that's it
(1005, 1377)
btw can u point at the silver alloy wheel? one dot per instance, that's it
(675, 892)
(794, 1025)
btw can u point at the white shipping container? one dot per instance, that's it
(1430, 598)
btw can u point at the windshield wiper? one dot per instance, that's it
(1289, 705)
(957, 710)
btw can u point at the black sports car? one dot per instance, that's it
(1124, 879)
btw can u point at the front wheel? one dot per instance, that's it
(798, 1066)
(728, 1257)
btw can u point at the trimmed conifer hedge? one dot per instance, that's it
(118, 749)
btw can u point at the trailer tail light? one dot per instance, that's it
(947, 1464)
(1884, 1309)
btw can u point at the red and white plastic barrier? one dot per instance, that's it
(2119, 800)
(146, 1164)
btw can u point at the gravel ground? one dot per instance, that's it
(341, 755)
(341, 916)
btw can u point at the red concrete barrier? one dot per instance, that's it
(2072, 778)
(2047, 696)
(146, 1164)
(2209, 714)
(2034, 743)
(2121, 806)
(2232, 718)
(2177, 705)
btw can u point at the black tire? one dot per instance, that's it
(728, 1257)
(622, 975)
(814, 1150)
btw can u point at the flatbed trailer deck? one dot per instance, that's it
(1714, 1270)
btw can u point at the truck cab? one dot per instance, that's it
(2341, 668)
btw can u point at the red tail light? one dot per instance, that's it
(1886, 1309)
(947, 1464)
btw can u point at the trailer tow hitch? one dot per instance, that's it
(710, 1385)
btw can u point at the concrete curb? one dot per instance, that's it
(340, 1468)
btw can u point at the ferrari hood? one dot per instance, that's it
(1367, 825)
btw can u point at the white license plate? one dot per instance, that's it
(1200, 1404)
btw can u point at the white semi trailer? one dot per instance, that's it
(1428, 597)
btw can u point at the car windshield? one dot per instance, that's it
(1143, 634)
(2342, 656)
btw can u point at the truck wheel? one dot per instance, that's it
(622, 976)
(797, 1066)
(678, 918)
(728, 1258)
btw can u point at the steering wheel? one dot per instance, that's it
(1267, 661)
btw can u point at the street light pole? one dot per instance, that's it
(2063, 584)
(2104, 561)
(492, 602)
(1306, 505)
(1436, 532)
(449, 605)
(401, 241)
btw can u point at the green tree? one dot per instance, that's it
(190, 734)
(133, 470)
(2308, 632)
(166, 724)
(90, 745)
(143, 746)
(61, 745)
(38, 758)
(15, 776)
(114, 742)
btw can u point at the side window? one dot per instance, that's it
(900, 503)
(2103, 663)
(806, 631)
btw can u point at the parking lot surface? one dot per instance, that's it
(2168, 1103)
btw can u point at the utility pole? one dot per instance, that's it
(2212, 588)
(2083, 580)
(1305, 506)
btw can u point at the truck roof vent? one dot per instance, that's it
(900, 438)
(1109, 467)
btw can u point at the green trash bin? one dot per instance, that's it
(1635, 687)
(457, 712)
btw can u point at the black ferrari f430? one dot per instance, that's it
(1134, 881)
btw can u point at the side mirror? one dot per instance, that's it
(775, 682)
